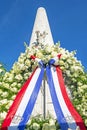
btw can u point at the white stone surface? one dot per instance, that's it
(42, 25)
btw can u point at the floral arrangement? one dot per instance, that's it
(73, 72)
(39, 123)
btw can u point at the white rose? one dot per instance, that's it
(19, 77)
(39, 55)
(10, 79)
(53, 54)
(35, 126)
(3, 115)
(21, 60)
(52, 121)
(5, 94)
(52, 127)
(13, 84)
(27, 62)
(4, 101)
(6, 85)
(14, 89)
(46, 126)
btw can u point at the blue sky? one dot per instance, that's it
(67, 18)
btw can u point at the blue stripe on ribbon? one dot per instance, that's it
(41, 63)
(58, 111)
(51, 61)
(31, 103)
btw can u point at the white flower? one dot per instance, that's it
(14, 89)
(46, 126)
(19, 77)
(52, 121)
(27, 62)
(21, 59)
(19, 85)
(21, 70)
(10, 77)
(85, 121)
(76, 68)
(3, 115)
(61, 62)
(48, 49)
(6, 75)
(4, 94)
(14, 84)
(3, 101)
(9, 104)
(39, 55)
(13, 97)
(6, 85)
(69, 61)
(54, 54)
(84, 86)
(35, 126)
(26, 75)
(52, 127)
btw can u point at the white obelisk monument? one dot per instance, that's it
(41, 25)
(42, 33)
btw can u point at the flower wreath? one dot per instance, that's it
(73, 72)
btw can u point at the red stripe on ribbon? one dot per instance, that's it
(71, 108)
(16, 103)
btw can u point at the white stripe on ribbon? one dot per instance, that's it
(71, 123)
(25, 99)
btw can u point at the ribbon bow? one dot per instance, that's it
(22, 107)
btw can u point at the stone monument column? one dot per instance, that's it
(41, 25)
(42, 34)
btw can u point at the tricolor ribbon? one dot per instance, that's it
(22, 107)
